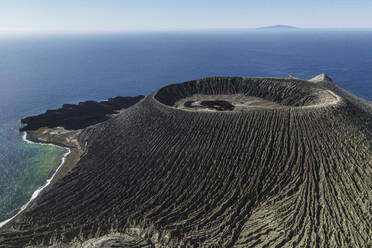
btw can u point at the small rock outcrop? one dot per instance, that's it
(320, 78)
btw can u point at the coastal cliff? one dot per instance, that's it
(222, 162)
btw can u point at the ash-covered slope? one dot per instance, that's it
(296, 172)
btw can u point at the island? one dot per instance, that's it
(280, 27)
(214, 162)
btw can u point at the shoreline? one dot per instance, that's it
(67, 160)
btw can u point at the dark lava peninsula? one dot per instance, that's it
(78, 116)
(216, 162)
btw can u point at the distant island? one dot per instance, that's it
(279, 27)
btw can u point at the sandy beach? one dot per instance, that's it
(68, 161)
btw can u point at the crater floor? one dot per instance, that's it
(237, 102)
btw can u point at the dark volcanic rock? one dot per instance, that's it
(79, 116)
(218, 105)
(298, 175)
(189, 104)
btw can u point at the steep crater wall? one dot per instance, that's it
(224, 90)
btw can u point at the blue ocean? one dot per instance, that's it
(40, 72)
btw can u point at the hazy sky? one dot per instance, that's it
(122, 15)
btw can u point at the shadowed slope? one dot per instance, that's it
(292, 176)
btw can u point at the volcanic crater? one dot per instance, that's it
(244, 94)
(216, 162)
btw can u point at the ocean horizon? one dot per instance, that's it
(40, 72)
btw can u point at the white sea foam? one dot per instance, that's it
(37, 192)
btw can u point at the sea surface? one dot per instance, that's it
(40, 72)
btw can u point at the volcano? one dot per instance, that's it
(216, 162)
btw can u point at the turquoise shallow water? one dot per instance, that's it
(28, 167)
(44, 72)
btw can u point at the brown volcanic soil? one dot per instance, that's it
(295, 175)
